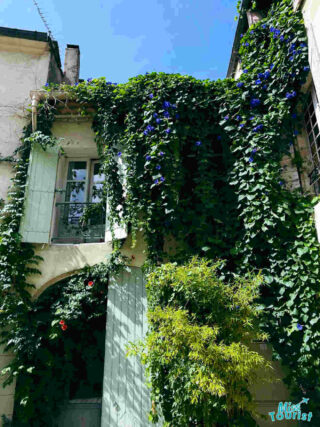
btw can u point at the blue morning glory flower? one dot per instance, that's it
(258, 82)
(238, 118)
(294, 115)
(245, 71)
(291, 58)
(166, 104)
(89, 80)
(174, 106)
(254, 150)
(257, 128)
(155, 115)
(264, 26)
(177, 116)
(254, 102)
(271, 66)
(148, 157)
(303, 45)
(161, 153)
(241, 35)
(306, 68)
(156, 181)
(168, 130)
(76, 84)
(246, 44)
(226, 117)
(264, 87)
(251, 159)
(151, 95)
(145, 132)
(251, 118)
(281, 183)
(158, 167)
(119, 153)
(166, 114)
(266, 74)
(251, 32)
(162, 179)
(219, 137)
(158, 121)
(147, 73)
(241, 125)
(198, 143)
(237, 307)
(299, 327)
(150, 128)
(47, 84)
(240, 84)
(282, 38)
(260, 75)
(295, 133)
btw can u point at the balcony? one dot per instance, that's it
(79, 223)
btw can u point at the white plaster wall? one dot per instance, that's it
(21, 72)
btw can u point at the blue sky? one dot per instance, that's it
(119, 39)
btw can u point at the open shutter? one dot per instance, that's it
(38, 204)
(120, 232)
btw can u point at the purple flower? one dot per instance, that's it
(119, 153)
(145, 132)
(158, 121)
(151, 95)
(251, 159)
(241, 35)
(254, 102)
(226, 117)
(254, 150)
(168, 130)
(47, 84)
(294, 115)
(161, 153)
(251, 118)
(299, 327)
(282, 38)
(198, 143)
(166, 114)
(155, 115)
(245, 71)
(166, 104)
(306, 68)
(251, 32)
(271, 66)
(156, 181)
(266, 74)
(246, 44)
(240, 84)
(148, 157)
(150, 128)
(241, 125)
(265, 87)
(238, 118)
(281, 183)
(290, 143)
(258, 82)
(158, 167)
(162, 179)
(257, 128)
(76, 84)
(291, 58)
(303, 45)
(264, 26)
(89, 80)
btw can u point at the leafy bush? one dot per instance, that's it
(197, 351)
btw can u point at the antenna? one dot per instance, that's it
(43, 19)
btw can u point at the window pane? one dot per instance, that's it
(98, 176)
(96, 193)
(75, 192)
(77, 171)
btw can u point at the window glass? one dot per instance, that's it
(77, 171)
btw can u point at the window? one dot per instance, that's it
(80, 218)
(311, 118)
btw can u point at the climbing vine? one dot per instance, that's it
(202, 177)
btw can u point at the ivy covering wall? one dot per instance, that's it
(203, 170)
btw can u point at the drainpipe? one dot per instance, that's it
(34, 104)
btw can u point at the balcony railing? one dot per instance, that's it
(79, 223)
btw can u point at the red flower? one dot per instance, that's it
(61, 322)
(64, 327)
(90, 283)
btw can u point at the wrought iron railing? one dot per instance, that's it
(79, 223)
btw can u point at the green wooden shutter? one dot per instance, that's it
(38, 204)
(120, 231)
(126, 399)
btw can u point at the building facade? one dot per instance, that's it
(61, 187)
